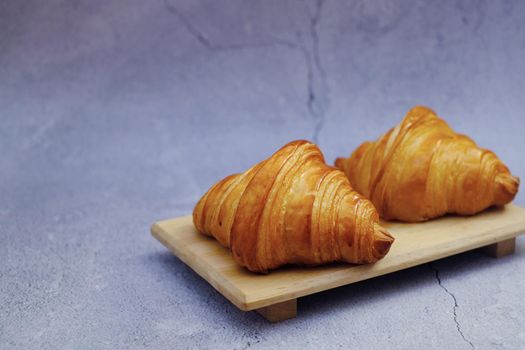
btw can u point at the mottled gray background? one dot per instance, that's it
(116, 114)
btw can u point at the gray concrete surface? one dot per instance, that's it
(116, 114)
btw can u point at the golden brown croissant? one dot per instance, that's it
(291, 208)
(422, 169)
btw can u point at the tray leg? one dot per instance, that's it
(279, 312)
(501, 249)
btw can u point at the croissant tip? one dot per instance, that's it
(421, 108)
(506, 188)
(382, 241)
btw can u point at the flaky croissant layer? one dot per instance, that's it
(422, 169)
(292, 209)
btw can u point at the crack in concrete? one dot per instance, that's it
(454, 310)
(317, 99)
(211, 46)
(317, 96)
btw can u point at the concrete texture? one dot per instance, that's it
(116, 114)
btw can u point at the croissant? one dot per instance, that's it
(422, 169)
(291, 208)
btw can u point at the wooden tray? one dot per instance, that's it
(275, 295)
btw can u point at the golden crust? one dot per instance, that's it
(422, 169)
(292, 208)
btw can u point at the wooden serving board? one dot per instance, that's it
(275, 295)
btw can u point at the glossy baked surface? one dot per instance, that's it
(422, 169)
(292, 208)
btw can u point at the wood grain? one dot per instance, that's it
(280, 311)
(415, 244)
(501, 249)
